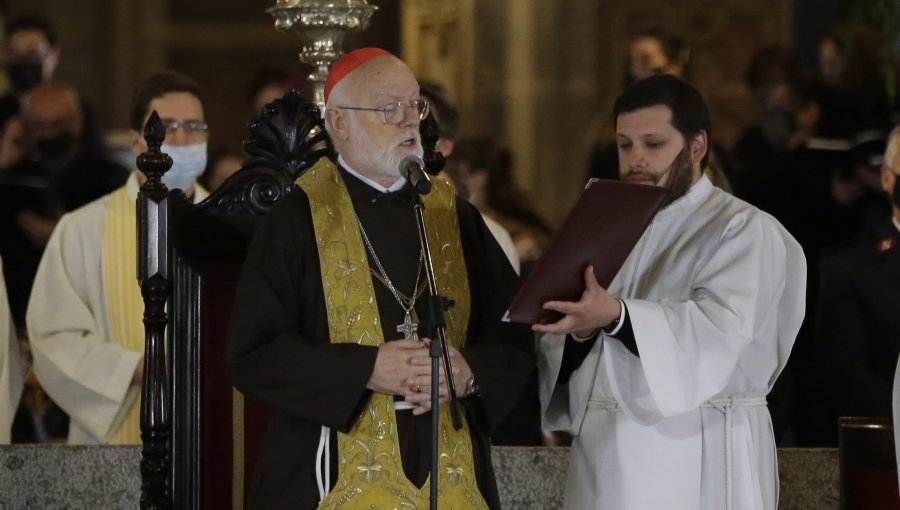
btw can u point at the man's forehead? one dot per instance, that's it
(656, 117)
(28, 40)
(647, 43)
(396, 93)
(385, 77)
(50, 100)
(56, 107)
(177, 105)
(375, 95)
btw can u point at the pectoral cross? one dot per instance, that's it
(409, 328)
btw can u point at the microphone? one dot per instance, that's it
(413, 168)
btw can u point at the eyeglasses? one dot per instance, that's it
(191, 127)
(395, 113)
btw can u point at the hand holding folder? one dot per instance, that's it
(601, 230)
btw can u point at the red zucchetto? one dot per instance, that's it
(348, 63)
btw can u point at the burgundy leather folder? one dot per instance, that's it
(600, 230)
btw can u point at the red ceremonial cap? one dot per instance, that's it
(348, 63)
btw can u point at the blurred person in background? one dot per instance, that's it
(266, 86)
(652, 52)
(446, 117)
(31, 54)
(484, 167)
(857, 327)
(787, 117)
(55, 172)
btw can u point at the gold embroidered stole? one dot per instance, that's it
(124, 305)
(370, 470)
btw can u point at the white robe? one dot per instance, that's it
(11, 378)
(715, 291)
(895, 413)
(505, 241)
(77, 363)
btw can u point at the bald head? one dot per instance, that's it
(51, 109)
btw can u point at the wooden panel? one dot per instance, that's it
(226, 416)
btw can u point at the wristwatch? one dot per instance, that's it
(471, 387)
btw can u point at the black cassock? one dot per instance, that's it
(279, 351)
(858, 324)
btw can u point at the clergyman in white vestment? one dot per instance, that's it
(662, 377)
(895, 405)
(84, 314)
(11, 378)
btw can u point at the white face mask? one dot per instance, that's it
(188, 162)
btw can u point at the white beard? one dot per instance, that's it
(373, 160)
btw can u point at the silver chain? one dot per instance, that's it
(407, 309)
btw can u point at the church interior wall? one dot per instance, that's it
(538, 74)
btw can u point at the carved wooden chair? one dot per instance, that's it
(868, 464)
(200, 435)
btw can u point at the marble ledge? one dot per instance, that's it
(107, 477)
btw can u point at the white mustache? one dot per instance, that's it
(414, 135)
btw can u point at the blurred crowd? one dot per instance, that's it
(813, 159)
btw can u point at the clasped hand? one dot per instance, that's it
(403, 367)
(596, 309)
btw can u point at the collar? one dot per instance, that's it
(132, 185)
(364, 192)
(696, 194)
(398, 184)
(896, 224)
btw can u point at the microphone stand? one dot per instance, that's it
(434, 327)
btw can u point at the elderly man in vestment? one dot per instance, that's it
(332, 278)
(662, 377)
(85, 312)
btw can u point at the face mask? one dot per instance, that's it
(188, 162)
(776, 126)
(25, 76)
(52, 149)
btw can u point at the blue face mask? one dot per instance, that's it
(188, 162)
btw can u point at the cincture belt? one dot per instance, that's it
(727, 406)
(402, 405)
